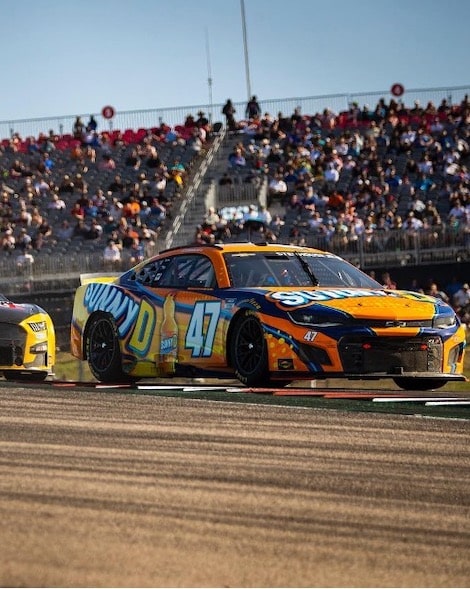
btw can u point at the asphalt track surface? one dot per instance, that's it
(147, 488)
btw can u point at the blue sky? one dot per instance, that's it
(64, 57)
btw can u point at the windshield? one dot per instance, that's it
(294, 269)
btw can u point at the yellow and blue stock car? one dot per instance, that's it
(27, 341)
(266, 314)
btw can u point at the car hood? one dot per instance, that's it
(15, 312)
(361, 303)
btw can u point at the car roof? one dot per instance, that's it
(242, 247)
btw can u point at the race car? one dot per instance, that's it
(265, 314)
(27, 341)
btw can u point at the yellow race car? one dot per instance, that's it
(265, 314)
(27, 341)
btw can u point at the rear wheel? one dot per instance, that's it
(248, 351)
(103, 352)
(419, 384)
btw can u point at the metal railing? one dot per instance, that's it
(172, 116)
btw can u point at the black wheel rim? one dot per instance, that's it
(249, 346)
(102, 345)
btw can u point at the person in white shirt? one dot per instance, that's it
(112, 256)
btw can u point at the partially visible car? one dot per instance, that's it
(266, 314)
(27, 341)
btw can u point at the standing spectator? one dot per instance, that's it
(92, 125)
(253, 109)
(229, 111)
(78, 128)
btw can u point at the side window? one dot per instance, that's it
(202, 273)
(179, 272)
(152, 272)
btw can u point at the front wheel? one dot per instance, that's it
(419, 384)
(103, 352)
(248, 351)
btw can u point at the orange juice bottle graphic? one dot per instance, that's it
(168, 337)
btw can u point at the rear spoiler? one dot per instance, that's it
(99, 277)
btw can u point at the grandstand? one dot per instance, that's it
(370, 164)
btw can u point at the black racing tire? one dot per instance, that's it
(103, 351)
(24, 376)
(248, 351)
(419, 384)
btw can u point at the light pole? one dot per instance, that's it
(245, 46)
(209, 73)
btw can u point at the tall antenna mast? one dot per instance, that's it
(245, 46)
(209, 73)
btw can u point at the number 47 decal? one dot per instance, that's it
(201, 329)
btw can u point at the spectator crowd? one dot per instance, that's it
(387, 176)
(109, 193)
(383, 175)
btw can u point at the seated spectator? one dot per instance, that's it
(64, 231)
(42, 187)
(225, 180)
(237, 160)
(23, 240)
(66, 186)
(78, 212)
(135, 253)
(133, 160)
(117, 185)
(129, 234)
(148, 239)
(387, 281)
(93, 230)
(461, 298)
(107, 163)
(277, 189)
(25, 259)
(112, 256)
(153, 160)
(56, 203)
(8, 241)
(435, 291)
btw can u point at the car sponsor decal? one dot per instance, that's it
(299, 298)
(109, 298)
(202, 328)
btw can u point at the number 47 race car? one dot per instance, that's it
(265, 314)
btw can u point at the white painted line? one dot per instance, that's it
(454, 402)
(183, 388)
(155, 387)
(412, 399)
(191, 389)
